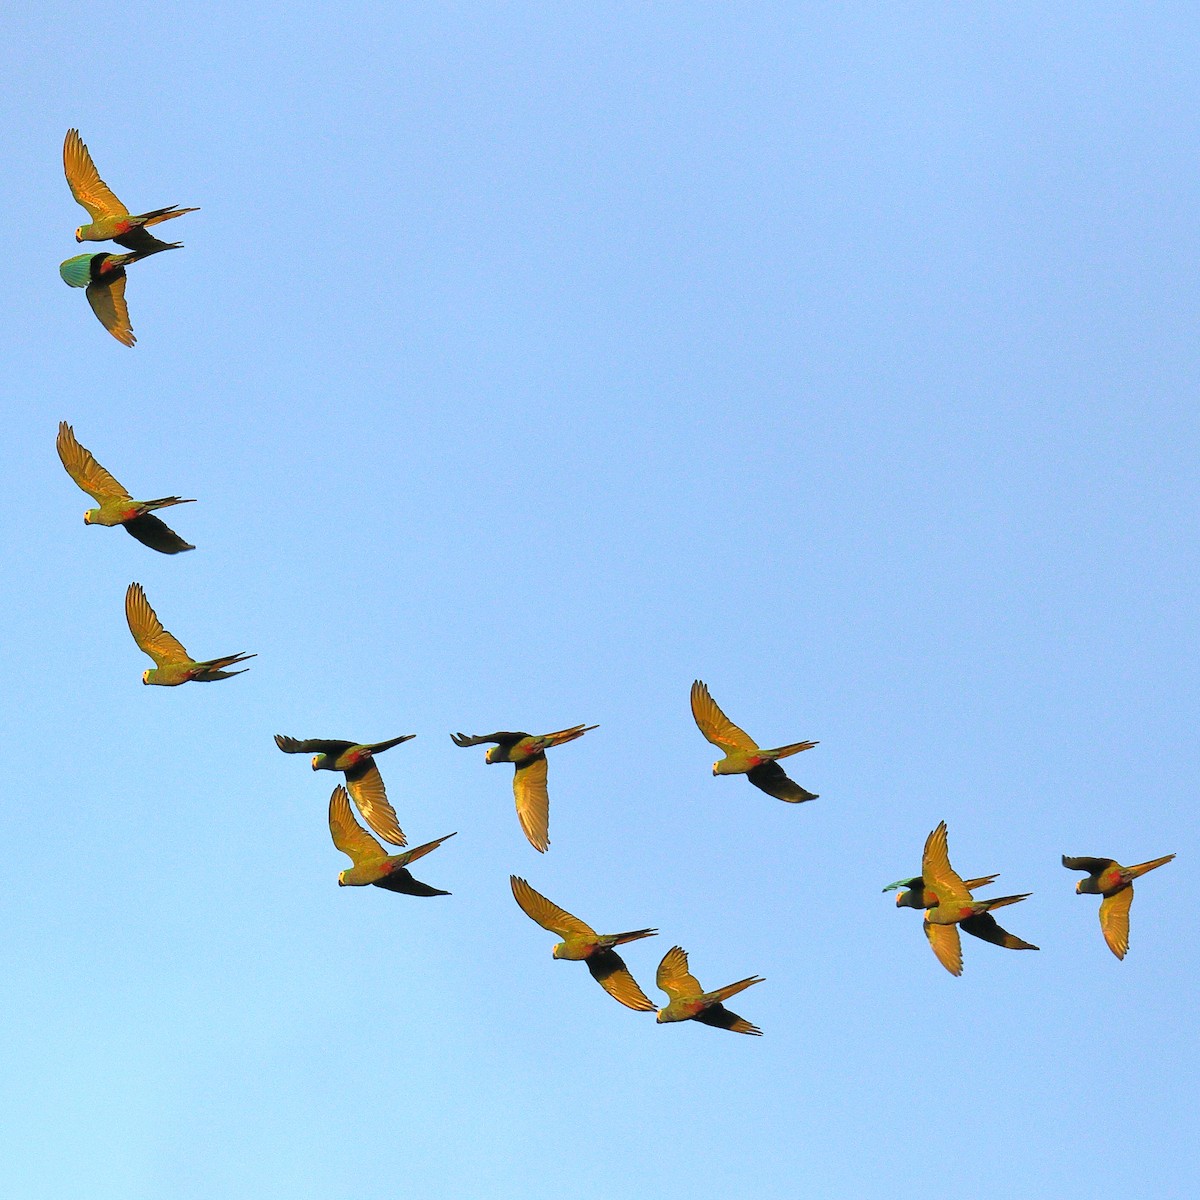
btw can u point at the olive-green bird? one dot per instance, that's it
(1109, 879)
(983, 926)
(580, 942)
(743, 755)
(373, 864)
(953, 905)
(173, 665)
(103, 275)
(111, 220)
(527, 752)
(690, 1002)
(363, 780)
(117, 506)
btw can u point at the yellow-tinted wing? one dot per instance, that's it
(348, 835)
(85, 470)
(608, 969)
(107, 298)
(714, 724)
(673, 976)
(1114, 920)
(152, 639)
(84, 180)
(545, 912)
(937, 872)
(947, 945)
(533, 801)
(365, 785)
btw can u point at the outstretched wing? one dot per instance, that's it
(157, 534)
(674, 978)
(545, 912)
(148, 631)
(291, 745)
(937, 872)
(463, 739)
(720, 1017)
(1114, 920)
(139, 239)
(984, 925)
(608, 969)
(84, 180)
(771, 778)
(107, 298)
(947, 945)
(1093, 866)
(85, 470)
(365, 785)
(715, 725)
(533, 801)
(348, 835)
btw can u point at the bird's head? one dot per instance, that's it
(79, 233)
(554, 953)
(341, 879)
(318, 761)
(1079, 888)
(715, 766)
(658, 1016)
(146, 675)
(87, 516)
(490, 755)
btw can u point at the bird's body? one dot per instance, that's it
(690, 1002)
(917, 895)
(116, 505)
(581, 943)
(1107, 878)
(103, 277)
(111, 220)
(743, 755)
(172, 663)
(372, 864)
(954, 905)
(527, 752)
(356, 760)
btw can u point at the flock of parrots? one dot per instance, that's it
(946, 900)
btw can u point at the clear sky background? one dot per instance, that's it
(528, 362)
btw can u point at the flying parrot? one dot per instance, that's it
(372, 864)
(954, 905)
(581, 942)
(527, 752)
(363, 780)
(173, 665)
(690, 1002)
(117, 506)
(111, 220)
(104, 277)
(1114, 882)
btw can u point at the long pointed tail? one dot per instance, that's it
(165, 502)
(1142, 868)
(567, 735)
(1001, 901)
(620, 939)
(230, 660)
(159, 215)
(787, 751)
(379, 747)
(732, 989)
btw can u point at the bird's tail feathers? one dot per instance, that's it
(619, 939)
(380, 747)
(567, 735)
(1001, 901)
(1142, 868)
(982, 881)
(732, 989)
(165, 214)
(411, 856)
(788, 751)
(165, 502)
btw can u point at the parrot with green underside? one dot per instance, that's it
(373, 864)
(117, 506)
(111, 220)
(527, 752)
(103, 275)
(357, 762)
(173, 665)
(954, 905)
(690, 1002)
(743, 755)
(1107, 878)
(580, 942)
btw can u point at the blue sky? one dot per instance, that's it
(528, 362)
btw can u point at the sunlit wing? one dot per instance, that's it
(85, 470)
(947, 945)
(1114, 920)
(714, 724)
(545, 912)
(673, 976)
(365, 785)
(937, 872)
(348, 835)
(84, 180)
(608, 969)
(163, 647)
(533, 801)
(107, 298)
